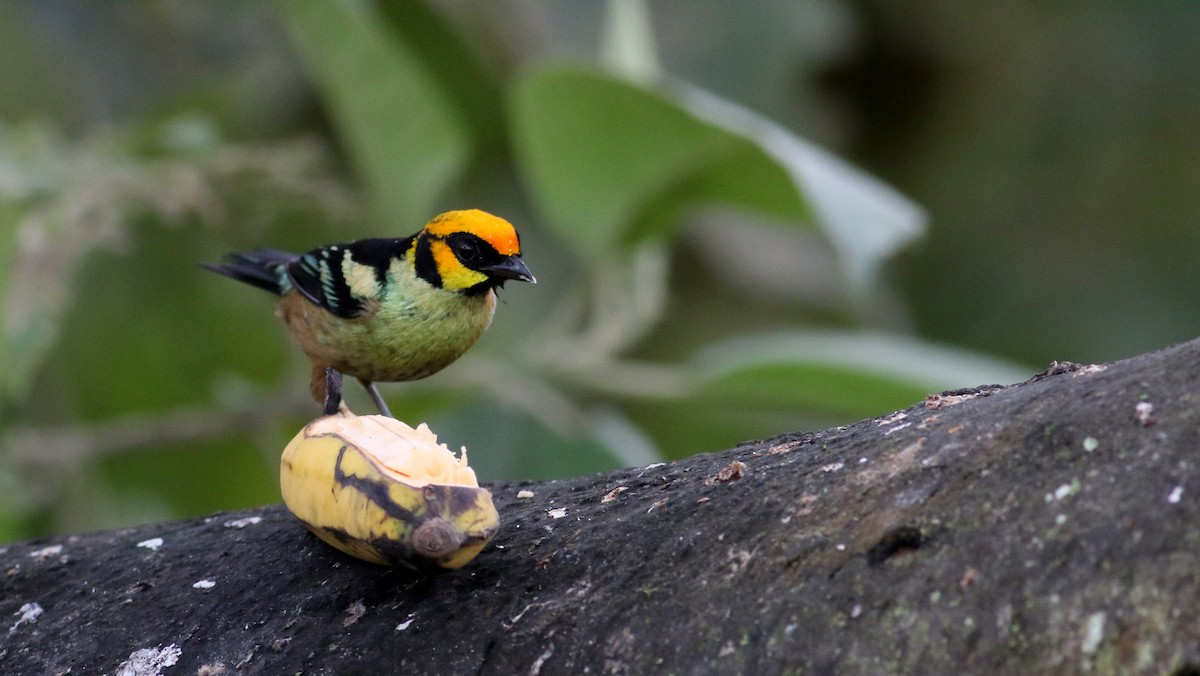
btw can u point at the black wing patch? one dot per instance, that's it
(320, 273)
(379, 253)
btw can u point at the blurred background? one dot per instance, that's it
(746, 219)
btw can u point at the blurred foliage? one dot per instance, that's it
(705, 275)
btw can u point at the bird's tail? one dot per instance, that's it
(264, 268)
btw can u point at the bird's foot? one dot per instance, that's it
(333, 392)
(376, 397)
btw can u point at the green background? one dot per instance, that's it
(745, 218)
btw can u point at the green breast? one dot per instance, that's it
(416, 331)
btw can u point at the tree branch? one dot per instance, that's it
(1046, 526)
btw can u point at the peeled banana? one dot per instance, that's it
(384, 492)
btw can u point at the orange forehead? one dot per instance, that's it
(491, 229)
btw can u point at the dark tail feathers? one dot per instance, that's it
(264, 268)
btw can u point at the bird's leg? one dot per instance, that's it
(375, 397)
(333, 390)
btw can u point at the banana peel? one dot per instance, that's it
(384, 492)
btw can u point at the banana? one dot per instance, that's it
(384, 492)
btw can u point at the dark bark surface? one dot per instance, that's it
(1050, 526)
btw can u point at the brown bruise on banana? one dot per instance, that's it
(390, 553)
(347, 500)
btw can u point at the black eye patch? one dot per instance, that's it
(472, 251)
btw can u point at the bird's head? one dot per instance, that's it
(469, 251)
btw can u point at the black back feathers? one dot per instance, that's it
(320, 274)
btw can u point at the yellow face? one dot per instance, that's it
(456, 273)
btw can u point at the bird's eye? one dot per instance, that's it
(466, 250)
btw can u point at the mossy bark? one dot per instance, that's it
(1049, 526)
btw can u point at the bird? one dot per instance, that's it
(388, 309)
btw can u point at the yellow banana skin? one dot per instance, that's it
(347, 498)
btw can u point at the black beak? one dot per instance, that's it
(511, 267)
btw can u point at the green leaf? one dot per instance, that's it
(866, 220)
(612, 162)
(609, 162)
(852, 374)
(443, 50)
(401, 129)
